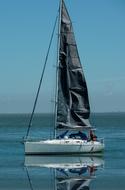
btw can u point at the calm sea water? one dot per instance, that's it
(14, 174)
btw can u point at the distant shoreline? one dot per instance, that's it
(93, 113)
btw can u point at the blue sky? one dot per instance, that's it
(25, 29)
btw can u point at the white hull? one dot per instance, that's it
(63, 146)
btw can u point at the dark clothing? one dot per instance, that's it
(93, 137)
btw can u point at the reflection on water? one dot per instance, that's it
(13, 173)
(68, 173)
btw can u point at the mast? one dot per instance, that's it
(57, 66)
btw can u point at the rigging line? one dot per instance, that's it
(37, 94)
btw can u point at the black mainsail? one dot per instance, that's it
(73, 108)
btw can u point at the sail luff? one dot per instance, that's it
(73, 104)
(57, 65)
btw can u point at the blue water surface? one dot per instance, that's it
(14, 174)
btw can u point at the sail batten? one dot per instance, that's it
(73, 108)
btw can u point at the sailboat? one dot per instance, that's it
(72, 109)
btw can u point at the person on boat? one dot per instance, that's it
(93, 137)
(79, 134)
